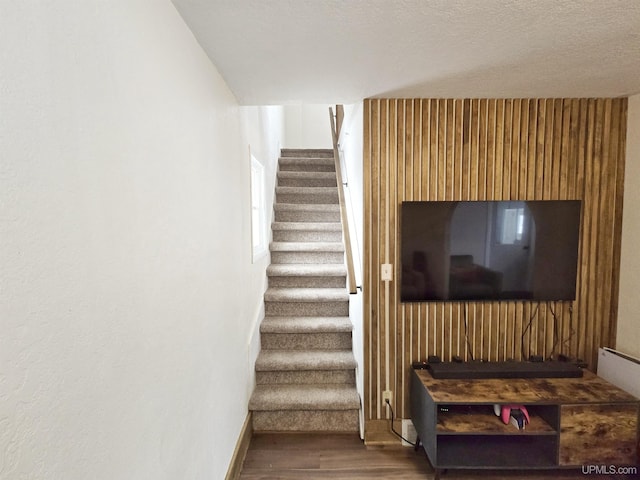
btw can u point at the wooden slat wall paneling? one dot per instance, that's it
(619, 155)
(493, 149)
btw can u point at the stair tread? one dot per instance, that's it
(295, 360)
(306, 269)
(307, 247)
(307, 155)
(294, 151)
(304, 207)
(278, 324)
(305, 294)
(308, 192)
(306, 161)
(306, 189)
(311, 226)
(304, 397)
(306, 174)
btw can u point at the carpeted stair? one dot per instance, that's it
(305, 373)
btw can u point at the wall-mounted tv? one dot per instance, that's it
(489, 250)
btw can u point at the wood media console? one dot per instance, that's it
(574, 422)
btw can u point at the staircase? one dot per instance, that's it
(305, 372)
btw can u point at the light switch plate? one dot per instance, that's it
(386, 272)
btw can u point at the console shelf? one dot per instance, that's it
(457, 427)
(480, 419)
(456, 451)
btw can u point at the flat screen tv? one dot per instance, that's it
(489, 250)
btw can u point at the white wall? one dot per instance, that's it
(263, 133)
(628, 335)
(127, 293)
(307, 126)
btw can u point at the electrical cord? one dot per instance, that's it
(566, 344)
(531, 317)
(466, 332)
(556, 337)
(393, 429)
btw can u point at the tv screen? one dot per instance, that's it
(489, 250)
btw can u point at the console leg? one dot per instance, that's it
(438, 472)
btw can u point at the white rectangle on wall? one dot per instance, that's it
(620, 369)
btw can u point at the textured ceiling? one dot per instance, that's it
(341, 51)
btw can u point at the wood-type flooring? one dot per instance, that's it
(345, 457)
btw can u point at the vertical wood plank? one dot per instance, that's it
(618, 156)
(457, 150)
(515, 151)
(482, 149)
(366, 298)
(466, 150)
(499, 123)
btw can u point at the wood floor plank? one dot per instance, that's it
(345, 457)
(303, 460)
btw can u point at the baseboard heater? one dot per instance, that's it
(620, 369)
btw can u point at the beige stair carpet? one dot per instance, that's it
(305, 372)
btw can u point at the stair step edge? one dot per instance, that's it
(306, 269)
(306, 325)
(308, 207)
(268, 397)
(283, 360)
(306, 174)
(307, 190)
(303, 295)
(306, 247)
(308, 226)
(324, 151)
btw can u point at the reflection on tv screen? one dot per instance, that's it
(489, 250)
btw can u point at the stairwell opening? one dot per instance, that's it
(305, 372)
